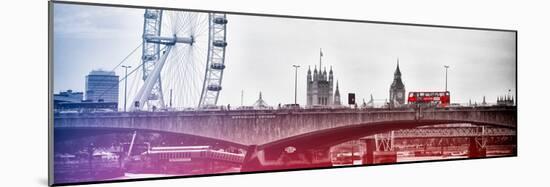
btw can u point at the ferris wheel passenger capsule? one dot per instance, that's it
(220, 43)
(220, 20)
(218, 66)
(214, 87)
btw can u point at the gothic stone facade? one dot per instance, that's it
(320, 88)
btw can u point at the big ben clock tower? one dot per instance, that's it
(397, 89)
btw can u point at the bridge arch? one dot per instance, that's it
(71, 133)
(337, 135)
(259, 156)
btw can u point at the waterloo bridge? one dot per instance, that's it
(279, 139)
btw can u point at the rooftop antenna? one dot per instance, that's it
(320, 57)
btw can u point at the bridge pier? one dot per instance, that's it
(385, 157)
(262, 159)
(477, 148)
(378, 155)
(251, 162)
(320, 158)
(368, 158)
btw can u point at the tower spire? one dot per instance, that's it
(337, 95)
(397, 70)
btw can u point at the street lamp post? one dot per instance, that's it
(170, 98)
(446, 68)
(295, 82)
(125, 84)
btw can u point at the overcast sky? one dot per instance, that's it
(262, 50)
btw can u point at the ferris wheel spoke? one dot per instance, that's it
(190, 85)
(180, 20)
(172, 22)
(203, 61)
(183, 22)
(176, 76)
(165, 24)
(203, 26)
(185, 26)
(193, 24)
(202, 32)
(187, 74)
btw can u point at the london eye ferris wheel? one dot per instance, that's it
(183, 56)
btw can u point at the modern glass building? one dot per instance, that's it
(102, 86)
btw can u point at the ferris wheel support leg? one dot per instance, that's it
(150, 82)
(161, 98)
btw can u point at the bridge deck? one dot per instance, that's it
(262, 126)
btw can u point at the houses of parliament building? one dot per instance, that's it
(321, 90)
(320, 87)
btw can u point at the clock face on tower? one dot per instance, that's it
(399, 95)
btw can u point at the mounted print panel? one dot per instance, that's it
(153, 93)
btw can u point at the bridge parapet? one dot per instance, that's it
(506, 117)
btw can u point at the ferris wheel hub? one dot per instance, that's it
(169, 40)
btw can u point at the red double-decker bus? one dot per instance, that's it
(442, 99)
